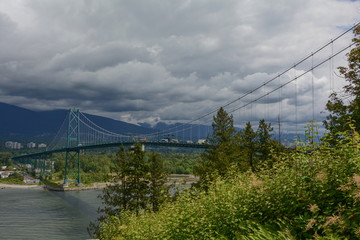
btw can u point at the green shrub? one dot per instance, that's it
(311, 192)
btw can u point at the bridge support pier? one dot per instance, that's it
(72, 159)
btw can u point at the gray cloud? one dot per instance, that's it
(168, 60)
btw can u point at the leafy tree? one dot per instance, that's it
(223, 152)
(180, 163)
(5, 158)
(346, 104)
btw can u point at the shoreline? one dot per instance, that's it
(21, 186)
(96, 186)
(173, 179)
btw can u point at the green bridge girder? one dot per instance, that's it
(114, 144)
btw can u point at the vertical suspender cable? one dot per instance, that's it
(332, 68)
(313, 99)
(296, 110)
(312, 88)
(279, 116)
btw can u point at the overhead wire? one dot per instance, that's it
(190, 124)
(290, 81)
(272, 79)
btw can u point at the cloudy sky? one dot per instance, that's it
(165, 60)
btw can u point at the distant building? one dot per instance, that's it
(5, 174)
(13, 145)
(17, 145)
(42, 145)
(201, 141)
(31, 145)
(31, 180)
(9, 144)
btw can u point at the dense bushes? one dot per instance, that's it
(311, 192)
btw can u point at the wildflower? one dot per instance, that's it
(255, 182)
(357, 194)
(332, 220)
(344, 188)
(122, 227)
(321, 177)
(311, 223)
(356, 179)
(314, 208)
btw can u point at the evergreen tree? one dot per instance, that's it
(157, 179)
(115, 196)
(223, 152)
(137, 180)
(137, 184)
(346, 105)
(248, 138)
(264, 133)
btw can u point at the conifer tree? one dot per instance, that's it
(137, 180)
(248, 138)
(157, 179)
(223, 152)
(264, 133)
(137, 184)
(116, 196)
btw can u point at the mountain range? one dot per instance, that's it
(20, 124)
(17, 123)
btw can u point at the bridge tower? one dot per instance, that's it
(72, 160)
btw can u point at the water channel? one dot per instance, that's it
(39, 214)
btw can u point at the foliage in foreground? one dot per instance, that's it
(309, 193)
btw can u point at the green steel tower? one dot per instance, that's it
(73, 140)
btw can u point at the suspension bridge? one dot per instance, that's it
(288, 99)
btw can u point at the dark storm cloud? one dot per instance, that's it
(163, 60)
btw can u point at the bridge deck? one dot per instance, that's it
(114, 144)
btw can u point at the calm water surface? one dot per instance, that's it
(38, 214)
